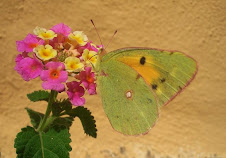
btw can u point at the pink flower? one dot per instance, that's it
(27, 67)
(61, 29)
(75, 93)
(87, 78)
(90, 46)
(19, 57)
(28, 43)
(54, 76)
(91, 87)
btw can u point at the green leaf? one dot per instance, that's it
(88, 122)
(63, 122)
(52, 144)
(22, 139)
(66, 105)
(35, 117)
(58, 123)
(59, 106)
(38, 96)
(64, 135)
(56, 109)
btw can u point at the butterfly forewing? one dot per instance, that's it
(167, 73)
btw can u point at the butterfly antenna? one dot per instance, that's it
(111, 38)
(97, 32)
(91, 62)
(93, 56)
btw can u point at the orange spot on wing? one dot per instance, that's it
(147, 71)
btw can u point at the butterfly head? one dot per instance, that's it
(101, 52)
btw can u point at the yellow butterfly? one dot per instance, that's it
(135, 82)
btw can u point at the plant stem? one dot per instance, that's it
(48, 110)
(49, 121)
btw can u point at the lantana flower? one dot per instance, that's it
(73, 64)
(75, 93)
(54, 76)
(91, 46)
(89, 56)
(44, 34)
(45, 52)
(79, 37)
(59, 53)
(61, 29)
(28, 68)
(87, 77)
(28, 44)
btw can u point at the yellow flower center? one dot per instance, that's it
(89, 56)
(73, 64)
(79, 37)
(44, 34)
(45, 53)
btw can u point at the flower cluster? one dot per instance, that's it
(56, 54)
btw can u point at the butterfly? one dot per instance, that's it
(134, 83)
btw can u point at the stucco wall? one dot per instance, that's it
(193, 123)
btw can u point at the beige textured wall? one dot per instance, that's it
(192, 124)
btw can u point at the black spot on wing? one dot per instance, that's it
(162, 80)
(142, 60)
(154, 86)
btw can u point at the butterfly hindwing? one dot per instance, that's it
(128, 101)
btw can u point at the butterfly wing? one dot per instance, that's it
(149, 73)
(166, 72)
(127, 100)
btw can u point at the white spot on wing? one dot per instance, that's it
(129, 94)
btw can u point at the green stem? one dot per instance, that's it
(52, 97)
(48, 122)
